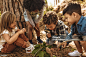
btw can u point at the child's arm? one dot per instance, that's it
(12, 39)
(48, 33)
(40, 15)
(30, 18)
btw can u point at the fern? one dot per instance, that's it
(40, 50)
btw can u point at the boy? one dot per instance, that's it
(33, 14)
(73, 15)
(53, 26)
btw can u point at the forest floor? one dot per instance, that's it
(20, 52)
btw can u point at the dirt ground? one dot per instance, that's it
(20, 52)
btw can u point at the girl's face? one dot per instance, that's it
(13, 25)
(51, 26)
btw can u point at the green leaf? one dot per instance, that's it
(46, 54)
(44, 44)
(40, 54)
(37, 46)
(44, 48)
(49, 46)
(35, 50)
(54, 56)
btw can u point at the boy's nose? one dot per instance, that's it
(66, 20)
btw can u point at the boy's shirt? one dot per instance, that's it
(33, 16)
(59, 30)
(81, 28)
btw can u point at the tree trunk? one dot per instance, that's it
(54, 2)
(15, 7)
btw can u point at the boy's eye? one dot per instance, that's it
(66, 19)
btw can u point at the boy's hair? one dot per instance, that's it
(50, 17)
(6, 20)
(32, 5)
(72, 7)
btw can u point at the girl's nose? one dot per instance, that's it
(15, 23)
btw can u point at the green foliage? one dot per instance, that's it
(49, 8)
(35, 50)
(40, 54)
(72, 49)
(54, 56)
(40, 49)
(46, 55)
(45, 1)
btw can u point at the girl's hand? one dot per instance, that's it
(18, 29)
(48, 35)
(22, 31)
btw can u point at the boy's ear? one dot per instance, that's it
(74, 14)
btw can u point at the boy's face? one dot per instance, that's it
(70, 18)
(51, 26)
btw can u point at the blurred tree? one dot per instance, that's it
(56, 1)
(15, 7)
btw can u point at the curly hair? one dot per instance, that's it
(32, 5)
(50, 17)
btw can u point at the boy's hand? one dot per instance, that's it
(48, 35)
(49, 51)
(64, 44)
(22, 31)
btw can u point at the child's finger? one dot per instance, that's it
(24, 29)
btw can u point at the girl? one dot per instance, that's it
(9, 37)
(33, 13)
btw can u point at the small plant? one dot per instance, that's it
(40, 50)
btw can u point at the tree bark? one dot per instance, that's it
(15, 7)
